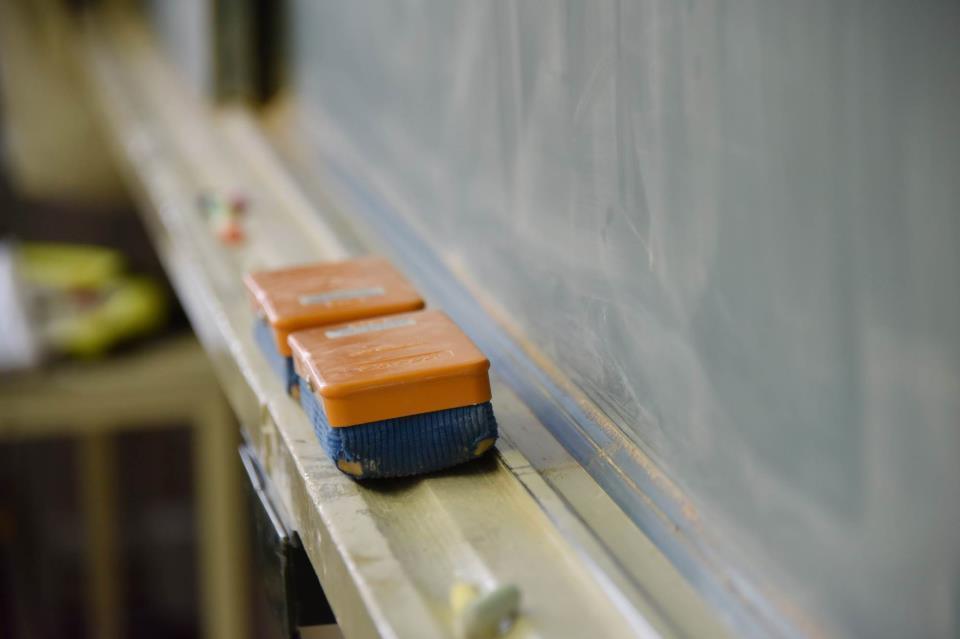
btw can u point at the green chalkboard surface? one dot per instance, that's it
(735, 225)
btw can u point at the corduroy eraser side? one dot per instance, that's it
(404, 446)
(401, 395)
(281, 364)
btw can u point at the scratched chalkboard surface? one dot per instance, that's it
(734, 224)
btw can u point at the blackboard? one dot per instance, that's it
(733, 224)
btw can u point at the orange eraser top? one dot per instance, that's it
(388, 367)
(329, 293)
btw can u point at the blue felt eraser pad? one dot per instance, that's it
(403, 446)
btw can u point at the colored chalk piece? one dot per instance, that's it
(313, 295)
(395, 396)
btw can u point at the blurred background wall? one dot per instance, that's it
(52, 143)
(59, 184)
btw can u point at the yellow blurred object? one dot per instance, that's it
(132, 307)
(64, 266)
(84, 301)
